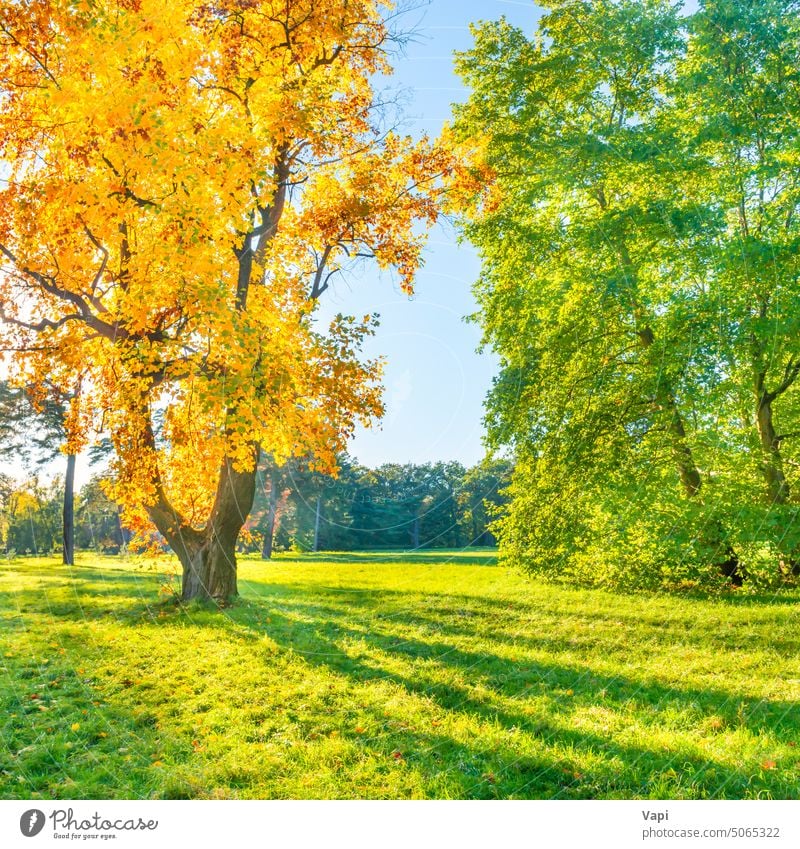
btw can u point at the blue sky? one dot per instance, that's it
(435, 381)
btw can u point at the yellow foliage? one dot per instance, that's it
(180, 180)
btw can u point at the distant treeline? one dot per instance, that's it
(433, 505)
(31, 518)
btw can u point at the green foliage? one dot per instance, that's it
(31, 520)
(30, 434)
(99, 521)
(30, 516)
(430, 675)
(641, 286)
(431, 505)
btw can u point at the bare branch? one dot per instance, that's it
(319, 285)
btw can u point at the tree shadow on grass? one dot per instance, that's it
(78, 593)
(494, 690)
(554, 768)
(455, 615)
(321, 616)
(509, 677)
(345, 632)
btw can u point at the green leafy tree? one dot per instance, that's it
(482, 499)
(639, 279)
(31, 517)
(735, 119)
(99, 524)
(392, 506)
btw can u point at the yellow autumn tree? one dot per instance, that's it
(179, 181)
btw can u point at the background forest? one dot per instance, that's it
(432, 505)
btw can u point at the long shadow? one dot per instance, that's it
(316, 632)
(315, 629)
(681, 631)
(331, 617)
(641, 765)
(620, 769)
(513, 678)
(436, 614)
(79, 592)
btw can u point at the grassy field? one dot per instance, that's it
(389, 676)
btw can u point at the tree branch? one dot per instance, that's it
(38, 326)
(48, 284)
(790, 374)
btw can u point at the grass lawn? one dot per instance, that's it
(389, 676)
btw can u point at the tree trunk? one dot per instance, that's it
(772, 463)
(208, 556)
(454, 522)
(687, 470)
(269, 530)
(68, 514)
(209, 569)
(316, 523)
(684, 459)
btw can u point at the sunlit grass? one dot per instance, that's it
(435, 675)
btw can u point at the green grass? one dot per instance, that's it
(436, 675)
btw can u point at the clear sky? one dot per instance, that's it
(435, 381)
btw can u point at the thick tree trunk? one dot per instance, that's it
(269, 529)
(68, 514)
(209, 569)
(772, 462)
(208, 556)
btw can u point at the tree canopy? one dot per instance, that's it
(393, 506)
